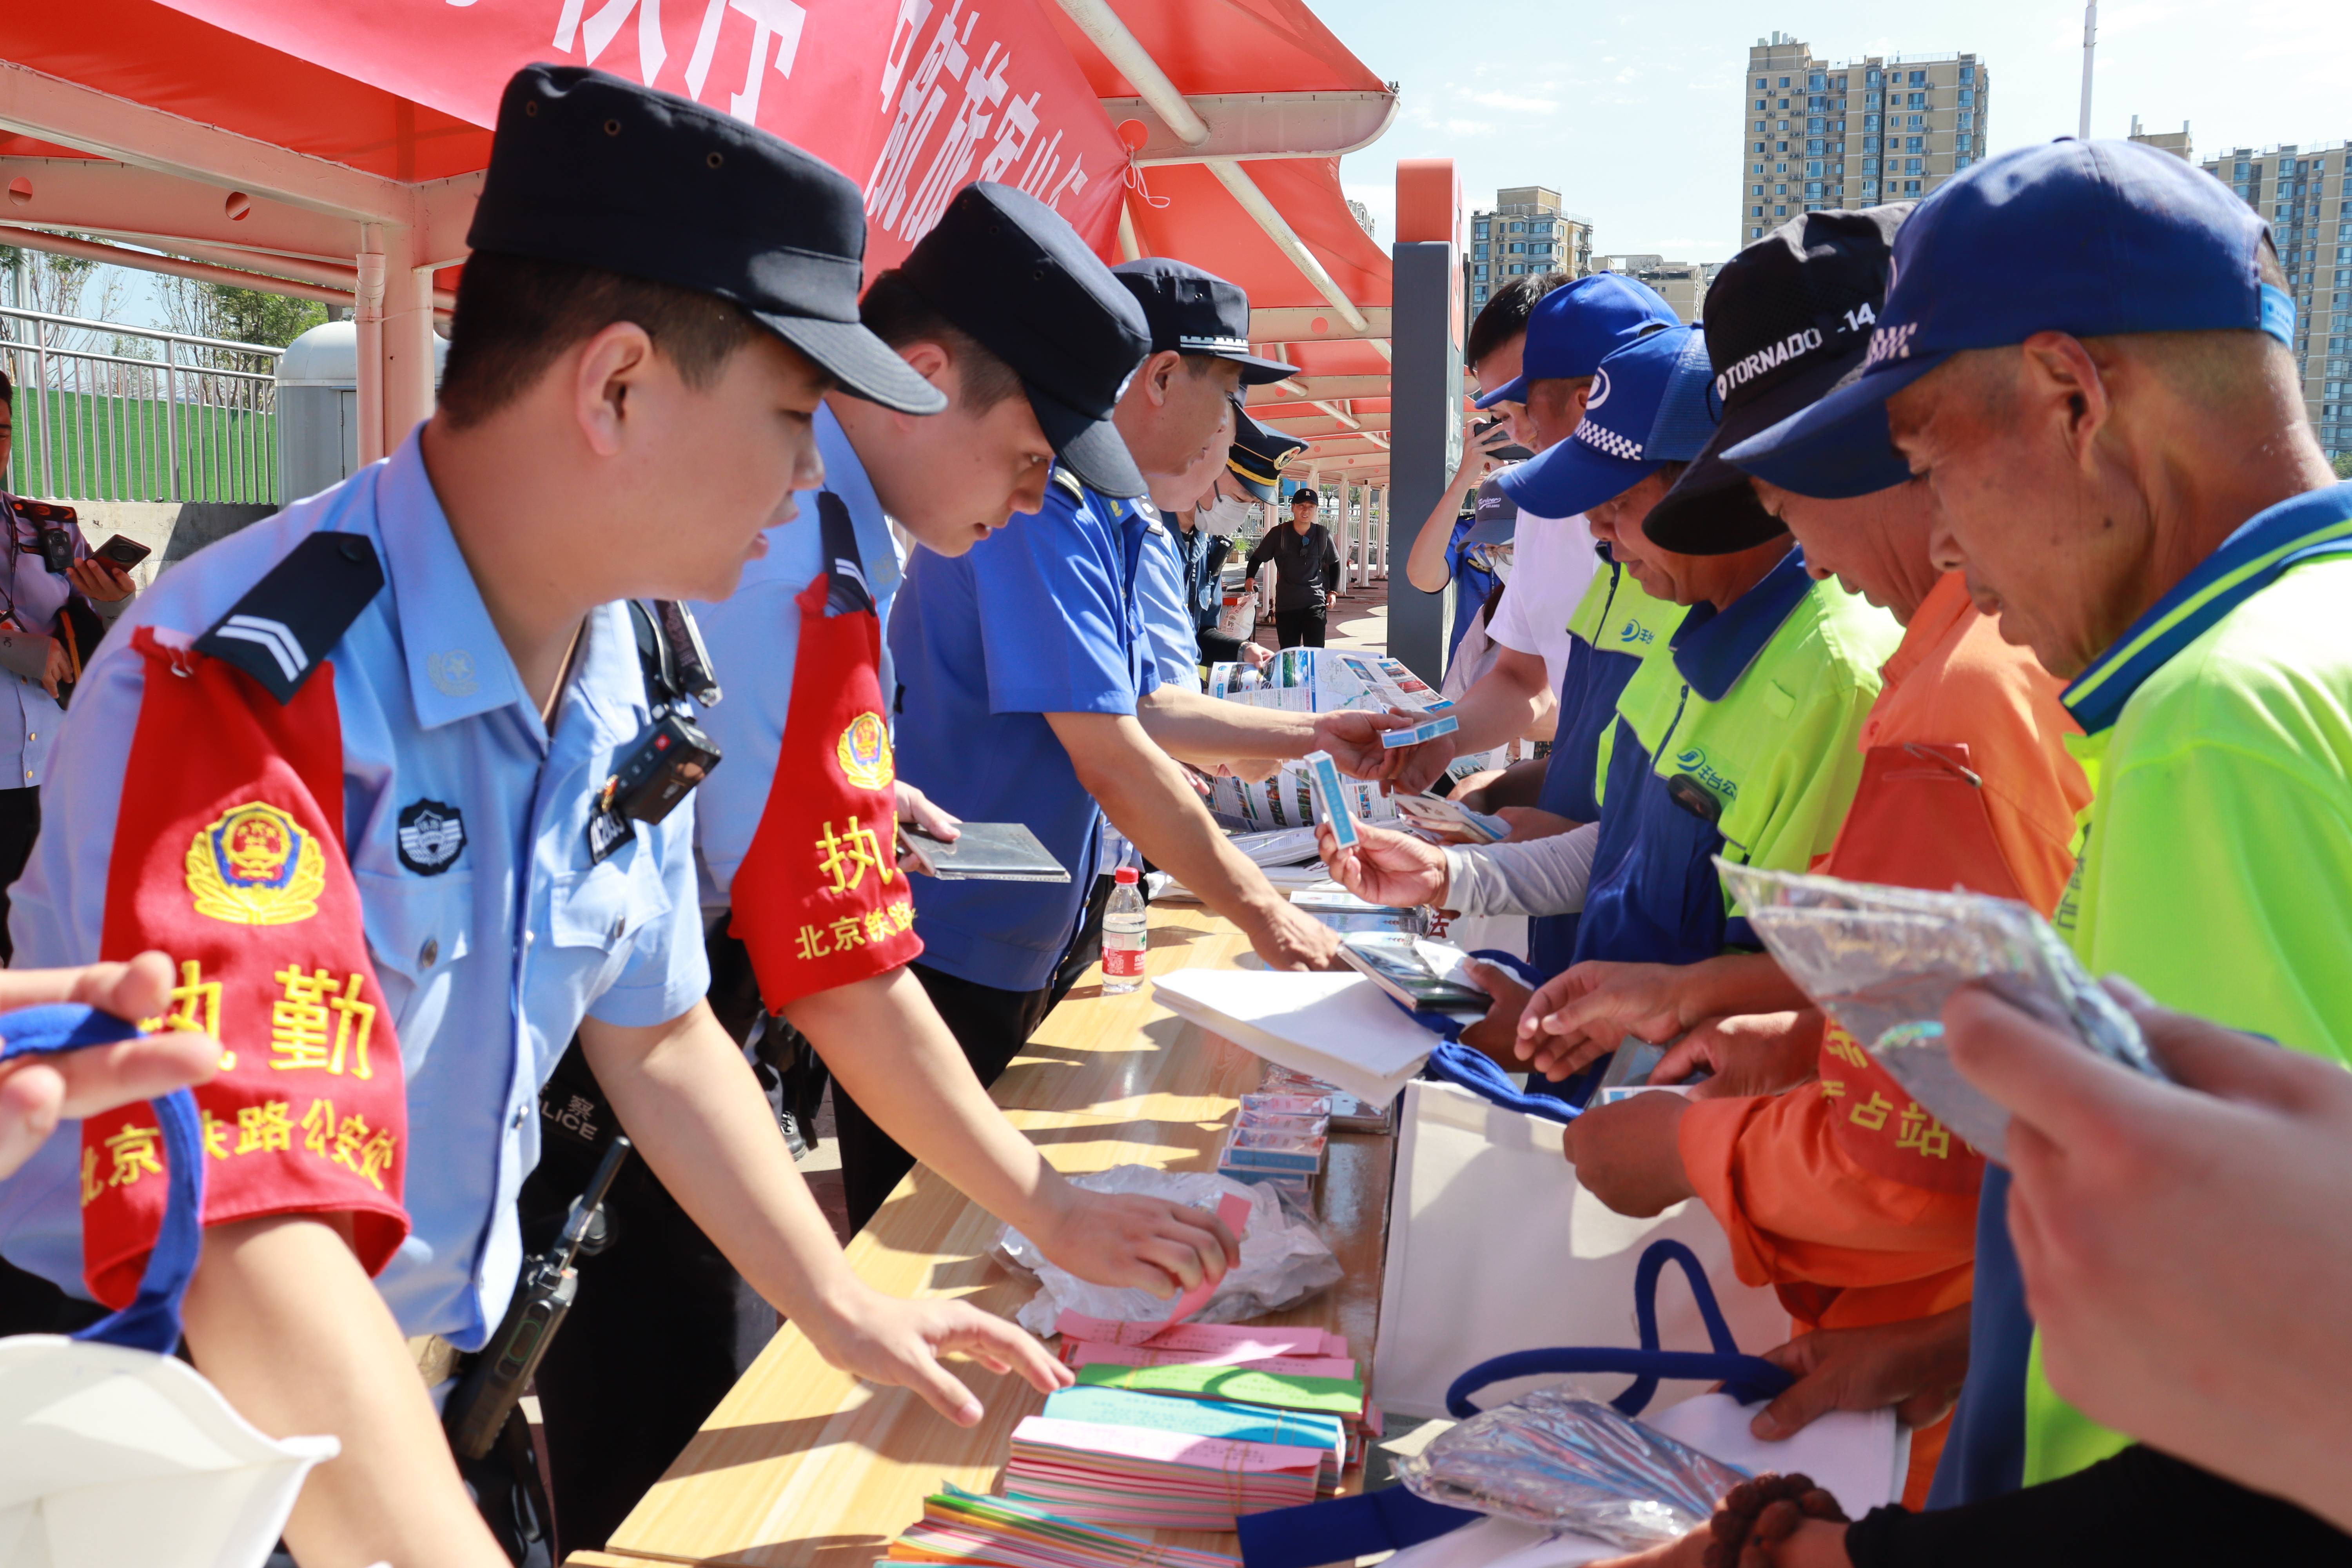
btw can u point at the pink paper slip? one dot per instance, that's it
(1234, 1210)
(1091, 1352)
(1113, 1445)
(1219, 1344)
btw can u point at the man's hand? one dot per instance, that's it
(1753, 1054)
(1494, 1034)
(1918, 1367)
(1533, 822)
(59, 668)
(1815, 1543)
(916, 807)
(1255, 655)
(885, 1339)
(2175, 1238)
(1627, 1154)
(1583, 1013)
(102, 581)
(1287, 937)
(36, 1091)
(1125, 1239)
(1410, 769)
(1384, 867)
(1352, 736)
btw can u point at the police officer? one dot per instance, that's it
(350, 770)
(793, 832)
(1253, 471)
(56, 599)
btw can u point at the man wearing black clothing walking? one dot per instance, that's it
(1307, 572)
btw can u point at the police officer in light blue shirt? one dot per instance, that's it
(434, 836)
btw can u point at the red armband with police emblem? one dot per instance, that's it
(819, 899)
(229, 855)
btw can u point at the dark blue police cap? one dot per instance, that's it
(1196, 312)
(597, 171)
(1259, 454)
(2089, 238)
(1009, 270)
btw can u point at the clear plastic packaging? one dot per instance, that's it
(1882, 961)
(1560, 1462)
(1315, 1105)
(1301, 1125)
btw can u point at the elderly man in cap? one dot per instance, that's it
(1735, 736)
(2120, 462)
(360, 762)
(1845, 1194)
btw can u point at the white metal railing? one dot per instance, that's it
(179, 418)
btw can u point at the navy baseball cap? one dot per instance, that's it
(1650, 404)
(594, 171)
(2092, 238)
(1576, 326)
(1009, 270)
(1495, 516)
(1787, 320)
(1197, 312)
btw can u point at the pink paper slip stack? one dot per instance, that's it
(1150, 1478)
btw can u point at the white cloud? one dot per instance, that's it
(1513, 101)
(1469, 127)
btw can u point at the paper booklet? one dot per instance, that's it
(961, 1527)
(993, 851)
(1337, 1026)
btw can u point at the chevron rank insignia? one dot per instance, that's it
(294, 617)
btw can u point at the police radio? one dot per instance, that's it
(478, 1410)
(54, 526)
(673, 753)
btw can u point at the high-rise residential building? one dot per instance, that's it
(1682, 284)
(2173, 141)
(2300, 190)
(1525, 231)
(1885, 128)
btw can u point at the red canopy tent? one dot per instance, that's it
(339, 149)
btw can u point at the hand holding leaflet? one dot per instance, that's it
(1234, 1210)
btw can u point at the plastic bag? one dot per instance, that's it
(1882, 961)
(1554, 1459)
(1285, 1258)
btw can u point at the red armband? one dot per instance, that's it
(229, 855)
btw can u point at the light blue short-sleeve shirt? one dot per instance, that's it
(754, 638)
(1041, 617)
(1171, 623)
(490, 957)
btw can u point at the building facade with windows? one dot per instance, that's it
(1885, 128)
(1525, 231)
(2300, 191)
(1682, 284)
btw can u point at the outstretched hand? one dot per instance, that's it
(1384, 867)
(1129, 1240)
(888, 1339)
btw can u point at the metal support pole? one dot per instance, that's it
(1426, 430)
(367, 316)
(171, 413)
(2090, 42)
(41, 403)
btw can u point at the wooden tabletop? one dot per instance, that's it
(803, 1467)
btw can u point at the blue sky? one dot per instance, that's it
(1633, 112)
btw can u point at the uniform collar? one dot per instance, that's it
(2315, 522)
(845, 476)
(459, 666)
(1713, 649)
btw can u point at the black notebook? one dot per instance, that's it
(992, 851)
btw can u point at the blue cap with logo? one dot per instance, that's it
(2091, 238)
(1650, 404)
(1576, 326)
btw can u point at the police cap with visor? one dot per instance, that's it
(594, 171)
(1258, 456)
(1196, 312)
(1008, 269)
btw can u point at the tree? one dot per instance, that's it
(237, 314)
(2343, 464)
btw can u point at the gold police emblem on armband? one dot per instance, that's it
(255, 867)
(865, 753)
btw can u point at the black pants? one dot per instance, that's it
(1300, 629)
(991, 1024)
(20, 824)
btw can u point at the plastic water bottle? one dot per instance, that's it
(1124, 936)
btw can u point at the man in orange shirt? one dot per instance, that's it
(1846, 1194)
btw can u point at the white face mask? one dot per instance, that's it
(1223, 517)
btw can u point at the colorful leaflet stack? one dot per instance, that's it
(966, 1529)
(1342, 1396)
(1118, 1458)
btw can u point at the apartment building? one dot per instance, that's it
(1682, 284)
(1885, 128)
(2300, 190)
(1525, 231)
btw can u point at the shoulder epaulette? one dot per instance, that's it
(1069, 481)
(846, 590)
(294, 616)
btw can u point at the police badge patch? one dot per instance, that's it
(255, 867)
(431, 835)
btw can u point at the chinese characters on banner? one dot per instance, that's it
(913, 98)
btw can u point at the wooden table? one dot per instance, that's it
(803, 1467)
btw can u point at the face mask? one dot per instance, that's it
(1223, 517)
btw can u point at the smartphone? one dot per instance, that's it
(1511, 452)
(124, 551)
(1695, 797)
(1407, 970)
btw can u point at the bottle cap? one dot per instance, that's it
(1126, 875)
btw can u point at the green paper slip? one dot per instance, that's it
(1241, 1386)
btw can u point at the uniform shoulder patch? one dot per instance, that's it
(294, 617)
(1069, 481)
(431, 835)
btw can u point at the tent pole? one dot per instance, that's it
(367, 317)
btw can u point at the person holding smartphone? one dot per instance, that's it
(56, 599)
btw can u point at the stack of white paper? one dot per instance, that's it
(1339, 1027)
